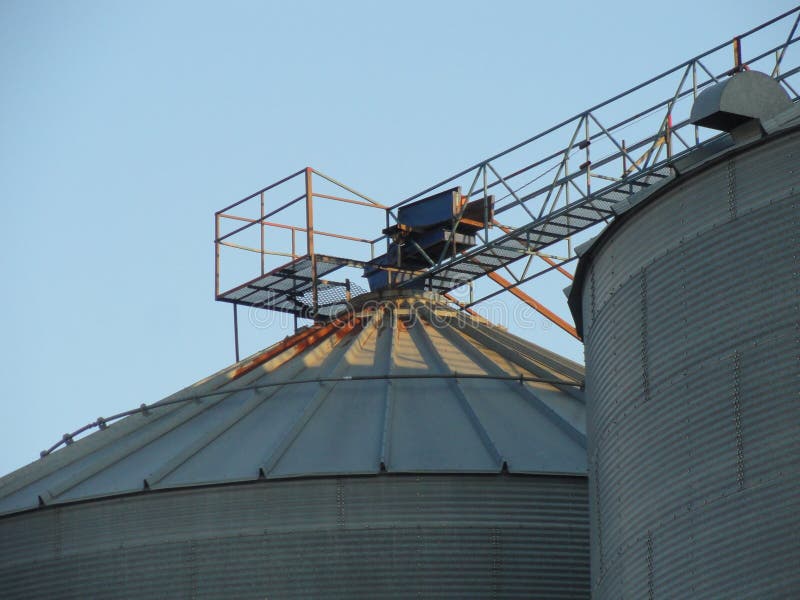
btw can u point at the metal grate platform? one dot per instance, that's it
(535, 236)
(289, 288)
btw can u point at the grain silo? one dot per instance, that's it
(688, 307)
(402, 449)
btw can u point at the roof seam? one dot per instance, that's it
(388, 400)
(319, 398)
(515, 355)
(119, 455)
(537, 402)
(420, 329)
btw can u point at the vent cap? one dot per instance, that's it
(745, 96)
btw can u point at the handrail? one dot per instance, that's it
(568, 176)
(605, 103)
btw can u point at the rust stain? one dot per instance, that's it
(297, 344)
(537, 306)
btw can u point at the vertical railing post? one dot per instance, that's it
(486, 216)
(261, 223)
(216, 255)
(737, 54)
(236, 329)
(588, 158)
(624, 159)
(387, 227)
(389, 274)
(310, 237)
(455, 221)
(566, 193)
(668, 135)
(694, 97)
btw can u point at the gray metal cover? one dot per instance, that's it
(744, 96)
(476, 481)
(690, 323)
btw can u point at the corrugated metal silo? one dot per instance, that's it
(688, 307)
(404, 450)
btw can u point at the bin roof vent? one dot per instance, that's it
(744, 96)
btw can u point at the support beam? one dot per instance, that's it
(538, 307)
(460, 304)
(310, 237)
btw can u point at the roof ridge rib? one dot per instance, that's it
(341, 363)
(523, 391)
(547, 357)
(516, 356)
(418, 330)
(125, 428)
(388, 399)
(252, 404)
(156, 433)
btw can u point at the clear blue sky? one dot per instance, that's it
(125, 125)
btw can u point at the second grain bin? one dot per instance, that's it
(688, 307)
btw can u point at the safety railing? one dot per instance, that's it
(550, 188)
(252, 225)
(615, 147)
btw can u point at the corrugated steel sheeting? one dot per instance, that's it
(300, 426)
(456, 536)
(693, 380)
(321, 484)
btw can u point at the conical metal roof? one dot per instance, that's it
(400, 384)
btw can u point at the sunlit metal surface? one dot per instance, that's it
(402, 385)
(403, 448)
(688, 309)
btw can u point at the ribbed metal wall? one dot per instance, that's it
(458, 536)
(692, 341)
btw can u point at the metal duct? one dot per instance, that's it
(744, 96)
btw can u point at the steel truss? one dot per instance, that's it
(562, 182)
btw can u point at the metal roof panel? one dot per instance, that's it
(403, 384)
